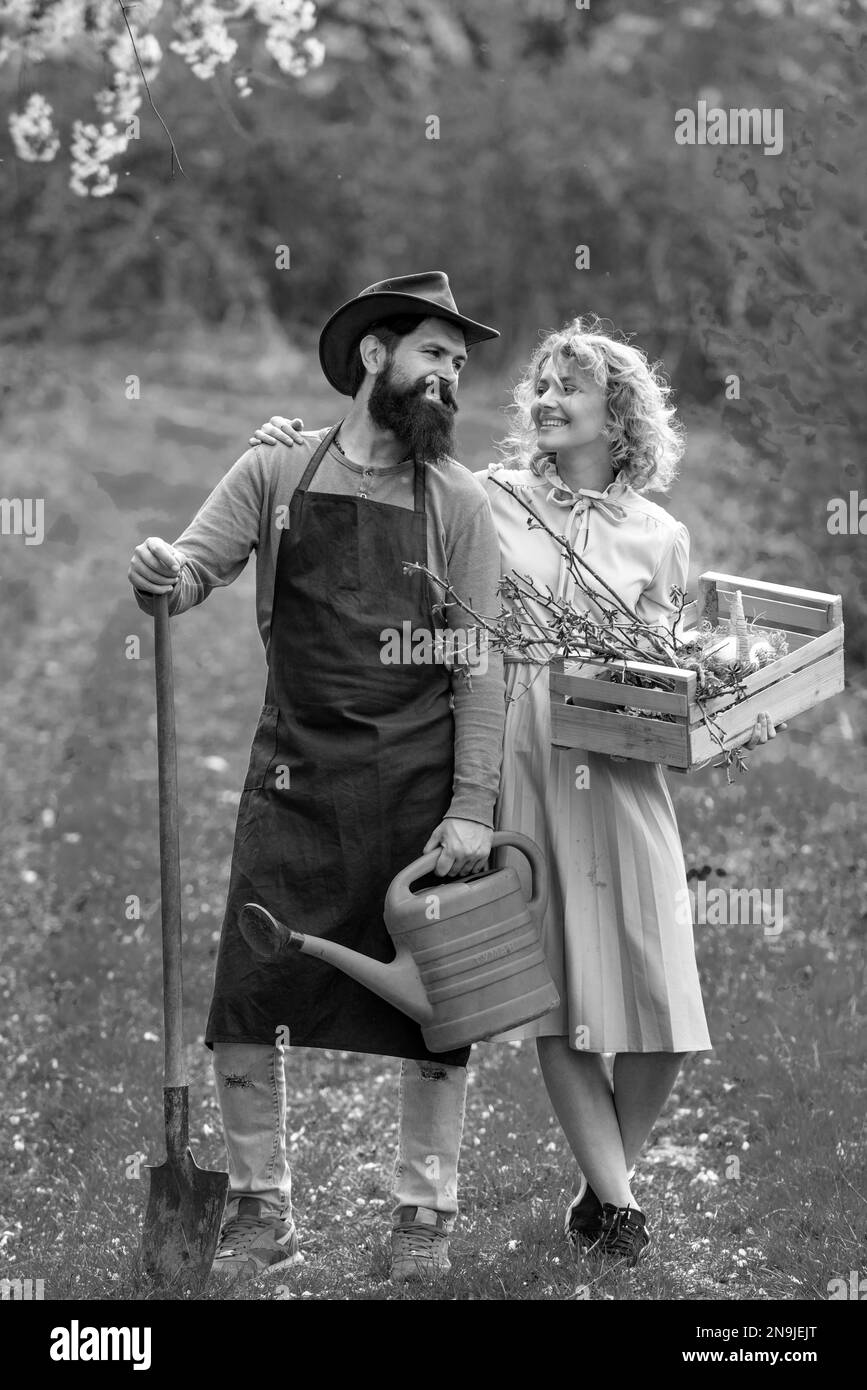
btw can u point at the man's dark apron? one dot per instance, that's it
(350, 771)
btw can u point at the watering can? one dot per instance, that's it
(469, 960)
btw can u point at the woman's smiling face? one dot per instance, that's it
(569, 409)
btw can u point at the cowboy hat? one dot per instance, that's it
(427, 295)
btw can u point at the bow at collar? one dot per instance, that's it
(581, 503)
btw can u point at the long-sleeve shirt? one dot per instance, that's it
(248, 510)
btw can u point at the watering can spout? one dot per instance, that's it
(469, 960)
(398, 982)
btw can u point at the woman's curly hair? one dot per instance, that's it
(647, 441)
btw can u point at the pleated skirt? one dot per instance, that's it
(617, 931)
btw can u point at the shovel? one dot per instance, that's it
(185, 1205)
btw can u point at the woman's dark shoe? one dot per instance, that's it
(624, 1233)
(584, 1218)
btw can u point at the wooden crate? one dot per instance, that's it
(811, 671)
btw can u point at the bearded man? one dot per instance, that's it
(359, 763)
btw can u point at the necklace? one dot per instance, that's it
(368, 475)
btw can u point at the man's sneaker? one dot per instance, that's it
(419, 1245)
(624, 1233)
(584, 1218)
(252, 1245)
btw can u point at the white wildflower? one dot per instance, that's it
(707, 1175)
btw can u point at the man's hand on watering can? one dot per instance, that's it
(464, 847)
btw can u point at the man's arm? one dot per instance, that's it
(213, 549)
(479, 702)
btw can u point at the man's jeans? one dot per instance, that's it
(251, 1088)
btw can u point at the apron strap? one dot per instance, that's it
(317, 458)
(420, 485)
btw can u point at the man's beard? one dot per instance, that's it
(426, 428)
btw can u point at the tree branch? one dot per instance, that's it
(176, 159)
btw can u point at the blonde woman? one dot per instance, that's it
(593, 434)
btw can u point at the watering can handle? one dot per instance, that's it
(399, 889)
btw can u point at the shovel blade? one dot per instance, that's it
(182, 1221)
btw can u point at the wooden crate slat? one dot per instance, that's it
(787, 697)
(772, 613)
(585, 691)
(784, 700)
(760, 587)
(604, 731)
(644, 668)
(809, 654)
(778, 603)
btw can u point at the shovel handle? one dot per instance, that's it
(170, 854)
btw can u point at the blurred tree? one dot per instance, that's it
(491, 141)
(127, 42)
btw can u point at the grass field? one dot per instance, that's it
(755, 1181)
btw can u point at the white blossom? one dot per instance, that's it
(34, 30)
(297, 16)
(285, 24)
(39, 29)
(204, 40)
(91, 147)
(124, 58)
(32, 131)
